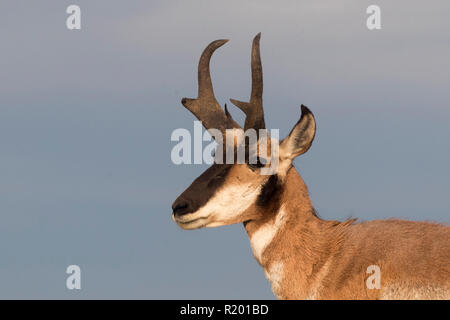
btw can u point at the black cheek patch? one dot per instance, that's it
(270, 191)
(205, 186)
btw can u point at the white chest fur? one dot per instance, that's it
(262, 237)
(275, 274)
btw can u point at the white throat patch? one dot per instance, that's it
(262, 237)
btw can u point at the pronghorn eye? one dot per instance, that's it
(257, 165)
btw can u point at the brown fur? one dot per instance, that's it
(304, 256)
(328, 259)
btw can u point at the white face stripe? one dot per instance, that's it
(228, 203)
(262, 237)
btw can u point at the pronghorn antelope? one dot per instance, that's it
(303, 256)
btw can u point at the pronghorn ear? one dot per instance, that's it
(301, 136)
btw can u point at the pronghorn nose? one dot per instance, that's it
(181, 207)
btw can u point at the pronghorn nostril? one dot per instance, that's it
(181, 207)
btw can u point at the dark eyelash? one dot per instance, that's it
(256, 165)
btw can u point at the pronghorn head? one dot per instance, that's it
(237, 191)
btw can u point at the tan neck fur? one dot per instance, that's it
(289, 238)
(305, 257)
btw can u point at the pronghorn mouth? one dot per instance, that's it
(189, 224)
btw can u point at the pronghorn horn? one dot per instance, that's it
(254, 109)
(205, 107)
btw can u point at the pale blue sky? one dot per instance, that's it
(86, 118)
